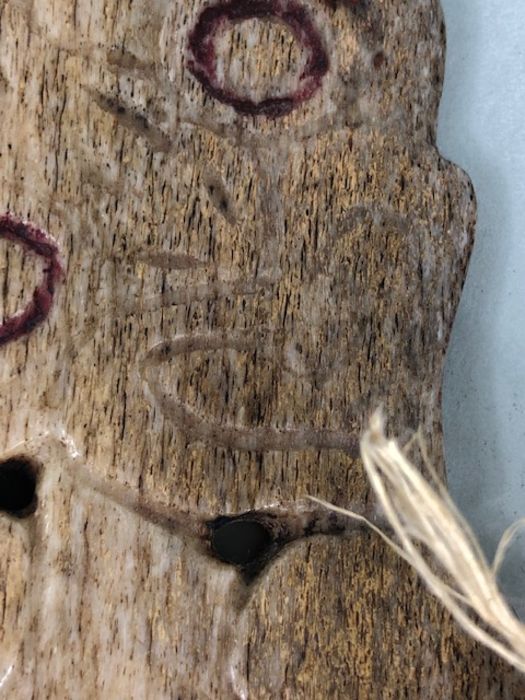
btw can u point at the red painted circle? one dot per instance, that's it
(37, 310)
(203, 60)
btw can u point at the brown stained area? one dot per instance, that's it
(379, 60)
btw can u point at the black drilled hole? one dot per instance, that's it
(18, 487)
(241, 542)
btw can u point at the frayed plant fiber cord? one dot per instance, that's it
(432, 536)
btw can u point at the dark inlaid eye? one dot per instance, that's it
(290, 13)
(241, 542)
(18, 482)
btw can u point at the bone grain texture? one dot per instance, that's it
(260, 243)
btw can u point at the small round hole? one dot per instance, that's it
(240, 542)
(17, 487)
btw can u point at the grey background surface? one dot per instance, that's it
(482, 128)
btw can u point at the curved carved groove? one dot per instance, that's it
(250, 439)
(181, 296)
(52, 457)
(135, 121)
(365, 214)
(251, 541)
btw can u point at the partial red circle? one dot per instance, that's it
(37, 310)
(203, 60)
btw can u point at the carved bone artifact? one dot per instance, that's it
(243, 240)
